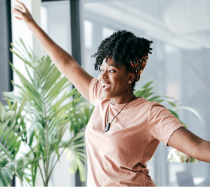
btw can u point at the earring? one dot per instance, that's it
(129, 82)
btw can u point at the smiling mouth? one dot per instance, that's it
(106, 87)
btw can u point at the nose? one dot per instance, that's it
(103, 74)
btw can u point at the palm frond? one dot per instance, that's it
(10, 142)
(49, 117)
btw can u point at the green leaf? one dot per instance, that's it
(172, 104)
(9, 115)
(197, 115)
(2, 148)
(14, 106)
(58, 103)
(183, 123)
(12, 143)
(30, 87)
(9, 103)
(21, 108)
(82, 172)
(57, 86)
(21, 54)
(146, 91)
(9, 172)
(5, 135)
(19, 58)
(18, 143)
(30, 55)
(73, 163)
(147, 84)
(3, 179)
(56, 146)
(2, 113)
(138, 92)
(174, 113)
(154, 98)
(160, 101)
(148, 95)
(168, 97)
(50, 80)
(2, 127)
(31, 137)
(29, 74)
(9, 139)
(12, 121)
(61, 130)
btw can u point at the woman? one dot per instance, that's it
(124, 130)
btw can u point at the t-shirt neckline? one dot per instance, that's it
(130, 104)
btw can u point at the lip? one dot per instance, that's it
(107, 86)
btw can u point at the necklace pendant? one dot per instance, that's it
(107, 127)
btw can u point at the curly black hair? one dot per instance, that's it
(122, 46)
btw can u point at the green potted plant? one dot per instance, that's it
(48, 118)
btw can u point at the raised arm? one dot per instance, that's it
(185, 141)
(62, 60)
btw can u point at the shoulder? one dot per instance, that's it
(154, 109)
(95, 90)
(149, 105)
(94, 81)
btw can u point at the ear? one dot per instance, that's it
(131, 77)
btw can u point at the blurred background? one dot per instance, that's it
(180, 31)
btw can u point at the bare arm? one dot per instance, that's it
(185, 141)
(63, 60)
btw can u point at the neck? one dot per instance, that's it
(120, 100)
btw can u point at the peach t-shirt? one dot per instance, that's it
(118, 157)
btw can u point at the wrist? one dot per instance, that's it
(32, 25)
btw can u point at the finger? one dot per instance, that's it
(21, 4)
(16, 11)
(18, 7)
(18, 18)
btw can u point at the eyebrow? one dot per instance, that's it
(109, 65)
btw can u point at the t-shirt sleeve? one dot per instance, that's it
(162, 123)
(94, 91)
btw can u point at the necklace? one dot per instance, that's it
(108, 125)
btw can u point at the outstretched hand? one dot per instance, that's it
(23, 13)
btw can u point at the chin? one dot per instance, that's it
(107, 96)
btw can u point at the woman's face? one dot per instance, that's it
(115, 78)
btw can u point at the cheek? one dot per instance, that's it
(121, 82)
